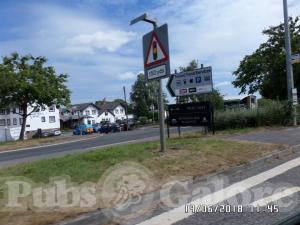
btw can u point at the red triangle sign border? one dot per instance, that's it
(165, 58)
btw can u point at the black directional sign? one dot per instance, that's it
(191, 114)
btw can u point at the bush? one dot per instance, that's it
(274, 113)
(143, 120)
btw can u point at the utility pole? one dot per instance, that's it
(126, 106)
(289, 65)
(145, 18)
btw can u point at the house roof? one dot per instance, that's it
(82, 106)
(108, 105)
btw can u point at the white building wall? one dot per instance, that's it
(92, 115)
(109, 117)
(47, 118)
(120, 113)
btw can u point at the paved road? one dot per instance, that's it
(15, 157)
(288, 136)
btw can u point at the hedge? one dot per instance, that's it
(272, 114)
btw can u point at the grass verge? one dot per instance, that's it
(188, 157)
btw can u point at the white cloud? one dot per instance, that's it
(223, 84)
(127, 76)
(110, 40)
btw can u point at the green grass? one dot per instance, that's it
(91, 165)
(81, 167)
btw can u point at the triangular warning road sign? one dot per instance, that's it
(156, 53)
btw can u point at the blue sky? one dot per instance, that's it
(91, 40)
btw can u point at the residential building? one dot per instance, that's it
(45, 118)
(90, 113)
(115, 108)
(240, 102)
(84, 113)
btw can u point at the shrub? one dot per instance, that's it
(143, 120)
(274, 113)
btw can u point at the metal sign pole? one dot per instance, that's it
(289, 66)
(162, 119)
(145, 17)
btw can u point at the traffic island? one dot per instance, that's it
(187, 158)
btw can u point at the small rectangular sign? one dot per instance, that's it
(295, 96)
(159, 71)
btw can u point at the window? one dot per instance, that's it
(51, 119)
(15, 122)
(89, 122)
(2, 122)
(116, 111)
(2, 111)
(7, 111)
(106, 113)
(43, 108)
(94, 112)
(93, 122)
(87, 112)
(122, 110)
(21, 121)
(20, 111)
(43, 118)
(52, 109)
(14, 110)
(8, 122)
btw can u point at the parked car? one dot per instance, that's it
(83, 129)
(96, 128)
(47, 134)
(106, 127)
(56, 132)
(116, 127)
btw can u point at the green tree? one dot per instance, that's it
(26, 81)
(214, 97)
(144, 95)
(265, 69)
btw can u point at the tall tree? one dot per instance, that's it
(214, 97)
(26, 81)
(265, 69)
(143, 95)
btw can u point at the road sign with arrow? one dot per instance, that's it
(198, 81)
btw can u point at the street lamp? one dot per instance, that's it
(146, 18)
(289, 65)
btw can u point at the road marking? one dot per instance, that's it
(177, 214)
(275, 197)
(43, 146)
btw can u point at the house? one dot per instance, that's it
(113, 108)
(240, 102)
(45, 118)
(84, 113)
